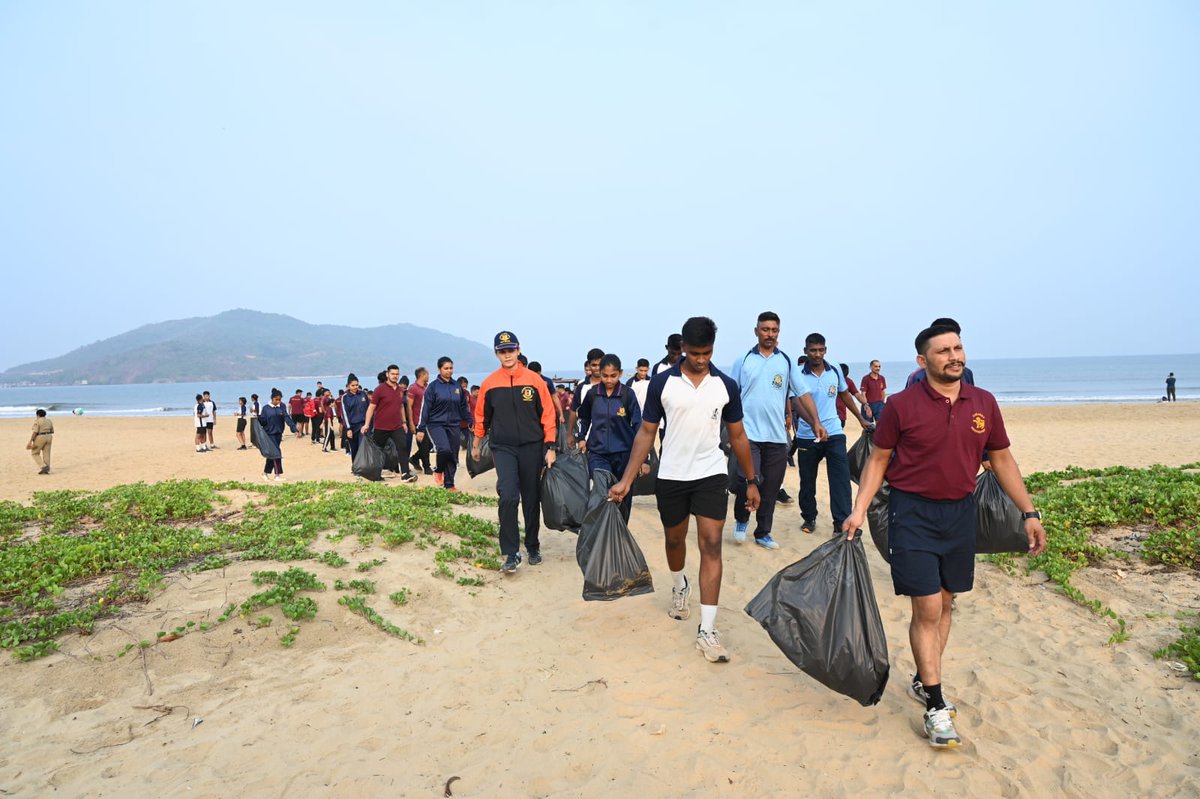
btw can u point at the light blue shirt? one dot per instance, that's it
(824, 391)
(765, 385)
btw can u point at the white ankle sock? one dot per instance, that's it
(680, 579)
(708, 617)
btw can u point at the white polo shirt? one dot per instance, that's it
(691, 448)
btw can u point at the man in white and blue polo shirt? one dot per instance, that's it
(766, 378)
(824, 385)
(693, 398)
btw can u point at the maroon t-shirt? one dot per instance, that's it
(841, 406)
(417, 392)
(296, 405)
(938, 445)
(873, 389)
(389, 407)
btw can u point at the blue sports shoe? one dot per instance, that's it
(739, 531)
(766, 542)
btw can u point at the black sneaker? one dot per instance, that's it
(511, 563)
(783, 498)
(535, 557)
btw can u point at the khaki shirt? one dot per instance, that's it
(43, 426)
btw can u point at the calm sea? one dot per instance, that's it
(1025, 381)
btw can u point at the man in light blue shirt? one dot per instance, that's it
(766, 378)
(824, 385)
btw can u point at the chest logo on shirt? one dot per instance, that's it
(620, 411)
(777, 381)
(831, 391)
(527, 394)
(716, 413)
(979, 423)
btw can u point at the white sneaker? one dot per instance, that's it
(710, 645)
(679, 602)
(940, 729)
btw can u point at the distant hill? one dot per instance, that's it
(249, 345)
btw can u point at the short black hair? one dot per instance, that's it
(922, 341)
(421, 370)
(521, 357)
(462, 381)
(768, 316)
(403, 381)
(945, 321)
(814, 338)
(392, 366)
(699, 331)
(442, 361)
(242, 400)
(845, 367)
(474, 388)
(801, 360)
(674, 341)
(595, 354)
(42, 411)
(612, 360)
(382, 376)
(199, 398)
(254, 396)
(643, 362)
(534, 366)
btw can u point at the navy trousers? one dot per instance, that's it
(809, 455)
(445, 443)
(518, 475)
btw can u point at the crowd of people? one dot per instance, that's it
(708, 434)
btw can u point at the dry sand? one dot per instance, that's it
(523, 689)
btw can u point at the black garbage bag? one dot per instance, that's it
(266, 445)
(391, 456)
(565, 491)
(614, 566)
(860, 453)
(998, 524)
(821, 613)
(370, 459)
(643, 485)
(877, 520)
(485, 462)
(560, 441)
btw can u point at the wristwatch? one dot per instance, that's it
(755, 480)
(1031, 515)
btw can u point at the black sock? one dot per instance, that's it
(933, 698)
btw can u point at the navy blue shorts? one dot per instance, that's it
(678, 499)
(931, 543)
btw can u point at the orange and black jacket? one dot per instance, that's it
(515, 408)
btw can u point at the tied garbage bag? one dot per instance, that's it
(860, 453)
(643, 485)
(821, 613)
(266, 445)
(485, 462)
(877, 520)
(391, 456)
(370, 459)
(612, 563)
(565, 492)
(998, 524)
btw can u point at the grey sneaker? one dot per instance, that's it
(917, 692)
(511, 563)
(710, 645)
(940, 729)
(679, 602)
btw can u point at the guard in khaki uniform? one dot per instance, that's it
(40, 441)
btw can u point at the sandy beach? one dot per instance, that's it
(522, 689)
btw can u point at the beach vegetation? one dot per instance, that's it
(357, 604)
(71, 558)
(1186, 650)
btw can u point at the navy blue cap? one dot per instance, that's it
(506, 340)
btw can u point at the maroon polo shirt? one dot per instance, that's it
(389, 407)
(938, 445)
(873, 389)
(417, 392)
(841, 406)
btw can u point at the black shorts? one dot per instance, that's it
(298, 418)
(932, 544)
(208, 425)
(241, 425)
(677, 499)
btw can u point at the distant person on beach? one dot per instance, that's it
(386, 414)
(1171, 387)
(198, 414)
(516, 411)
(464, 427)
(296, 409)
(313, 416)
(416, 401)
(40, 441)
(536, 368)
(765, 379)
(210, 422)
(591, 377)
(255, 408)
(825, 384)
(928, 446)
(272, 419)
(694, 398)
(674, 348)
(444, 406)
(852, 387)
(329, 442)
(240, 414)
(640, 382)
(874, 388)
(354, 412)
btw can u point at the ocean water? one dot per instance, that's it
(1014, 381)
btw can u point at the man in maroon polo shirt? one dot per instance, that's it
(937, 430)
(416, 399)
(874, 388)
(387, 411)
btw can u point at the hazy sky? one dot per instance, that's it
(592, 174)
